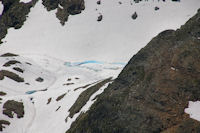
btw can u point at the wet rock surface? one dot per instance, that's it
(152, 91)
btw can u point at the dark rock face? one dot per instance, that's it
(62, 15)
(18, 69)
(156, 8)
(8, 55)
(11, 75)
(134, 16)
(50, 4)
(2, 93)
(85, 96)
(64, 8)
(11, 62)
(100, 17)
(11, 106)
(152, 91)
(60, 97)
(15, 12)
(14, 15)
(99, 2)
(39, 79)
(2, 123)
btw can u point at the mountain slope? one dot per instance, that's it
(60, 70)
(152, 91)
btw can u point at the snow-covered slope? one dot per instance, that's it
(47, 88)
(116, 38)
(26, 76)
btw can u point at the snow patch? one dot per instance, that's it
(30, 74)
(60, 6)
(1, 7)
(193, 110)
(25, 1)
(172, 68)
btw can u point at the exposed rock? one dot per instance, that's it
(99, 2)
(137, 1)
(83, 87)
(134, 16)
(18, 69)
(100, 17)
(11, 106)
(27, 83)
(62, 15)
(8, 55)
(60, 97)
(11, 62)
(64, 8)
(28, 63)
(2, 123)
(148, 96)
(14, 15)
(2, 93)
(15, 12)
(85, 96)
(156, 8)
(74, 7)
(50, 4)
(39, 79)
(11, 75)
(58, 108)
(49, 100)
(68, 84)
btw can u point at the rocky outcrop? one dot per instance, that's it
(14, 15)
(152, 91)
(3, 123)
(11, 106)
(15, 12)
(85, 96)
(10, 75)
(64, 8)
